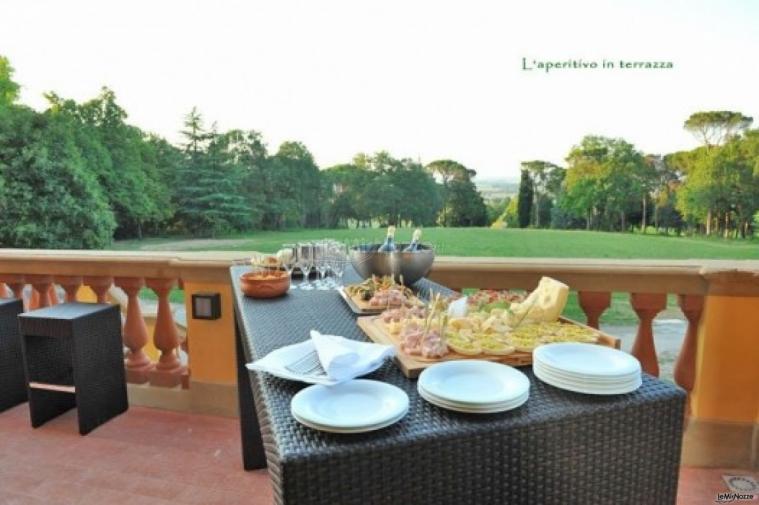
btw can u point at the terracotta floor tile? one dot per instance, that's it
(9, 498)
(149, 487)
(17, 482)
(209, 496)
(154, 457)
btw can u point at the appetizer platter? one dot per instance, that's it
(378, 294)
(496, 326)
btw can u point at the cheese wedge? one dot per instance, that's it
(545, 304)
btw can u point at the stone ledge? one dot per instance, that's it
(200, 398)
(714, 444)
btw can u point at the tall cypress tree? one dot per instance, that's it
(524, 205)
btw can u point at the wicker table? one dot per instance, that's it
(559, 448)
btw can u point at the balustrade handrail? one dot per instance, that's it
(192, 266)
(686, 277)
(698, 277)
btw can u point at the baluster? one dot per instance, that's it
(70, 284)
(41, 285)
(168, 371)
(53, 295)
(34, 299)
(647, 306)
(594, 303)
(16, 285)
(685, 366)
(100, 285)
(137, 363)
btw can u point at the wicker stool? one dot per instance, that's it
(12, 380)
(74, 358)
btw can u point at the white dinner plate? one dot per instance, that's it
(474, 382)
(587, 359)
(431, 396)
(364, 429)
(353, 405)
(586, 388)
(420, 388)
(581, 386)
(590, 379)
(473, 409)
(594, 382)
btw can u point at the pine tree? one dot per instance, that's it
(210, 198)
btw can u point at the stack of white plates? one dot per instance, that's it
(356, 406)
(586, 368)
(474, 386)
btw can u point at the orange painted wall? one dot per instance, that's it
(212, 343)
(727, 376)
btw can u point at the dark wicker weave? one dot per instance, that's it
(12, 380)
(75, 344)
(559, 448)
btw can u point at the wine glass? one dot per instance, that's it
(288, 260)
(339, 262)
(305, 262)
(321, 262)
(338, 267)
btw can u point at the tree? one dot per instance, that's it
(511, 215)
(716, 127)
(606, 181)
(524, 199)
(462, 203)
(115, 152)
(722, 186)
(445, 170)
(496, 207)
(8, 88)
(247, 153)
(541, 172)
(49, 197)
(348, 189)
(712, 128)
(666, 182)
(209, 199)
(293, 188)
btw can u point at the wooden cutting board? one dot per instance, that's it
(412, 366)
(359, 306)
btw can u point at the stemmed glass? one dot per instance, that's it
(338, 262)
(321, 261)
(288, 260)
(305, 262)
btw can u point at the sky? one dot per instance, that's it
(420, 79)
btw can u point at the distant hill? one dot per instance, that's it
(494, 189)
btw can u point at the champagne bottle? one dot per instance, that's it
(389, 244)
(415, 241)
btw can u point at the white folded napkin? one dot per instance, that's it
(459, 308)
(341, 359)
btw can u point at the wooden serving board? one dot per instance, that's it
(412, 366)
(359, 306)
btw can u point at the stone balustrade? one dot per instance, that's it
(719, 300)
(38, 277)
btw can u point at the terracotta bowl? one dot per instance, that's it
(265, 284)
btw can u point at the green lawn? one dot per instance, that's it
(490, 242)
